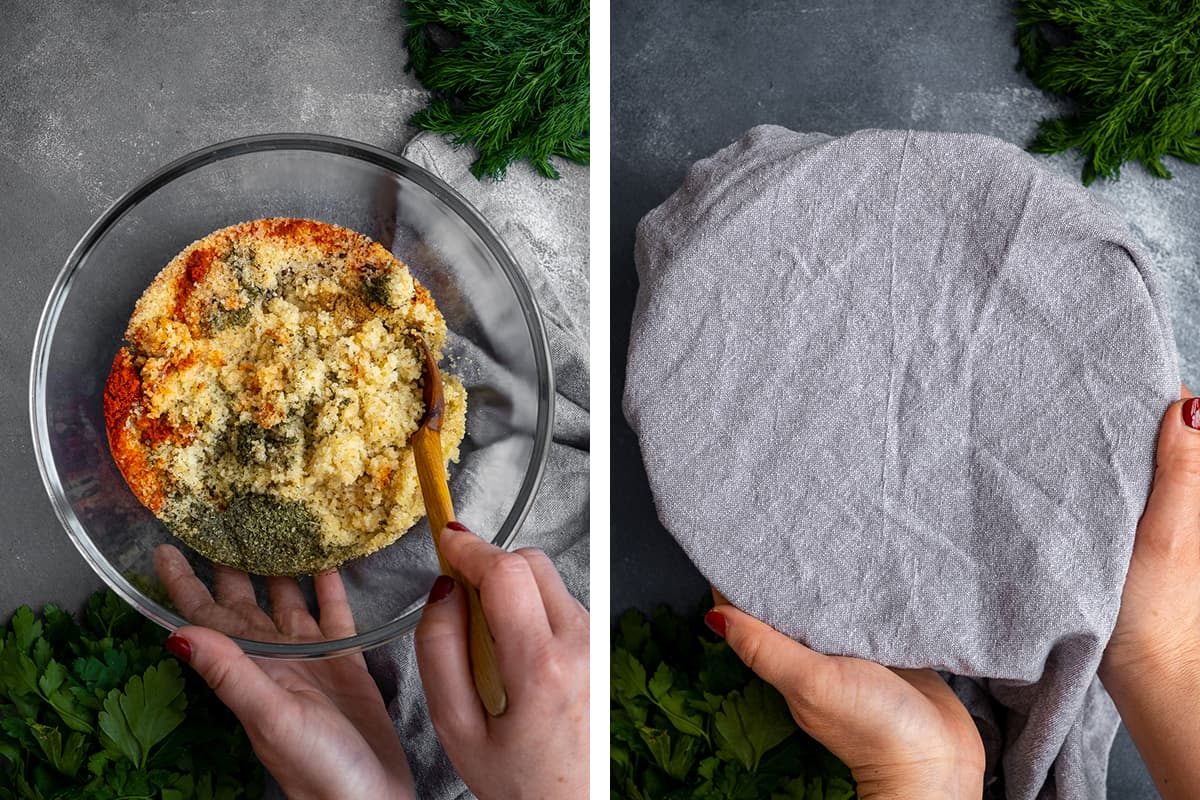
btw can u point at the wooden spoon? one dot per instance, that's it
(431, 471)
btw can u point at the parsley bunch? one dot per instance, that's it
(1133, 69)
(96, 709)
(509, 78)
(689, 720)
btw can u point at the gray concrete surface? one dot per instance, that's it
(93, 96)
(688, 77)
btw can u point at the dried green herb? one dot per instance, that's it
(377, 287)
(254, 444)
(224, 318)
(508, 78)
(256, 533)
(1131, 67)
(240, 260)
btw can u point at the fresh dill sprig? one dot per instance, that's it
(508, 77)
(1132, 68)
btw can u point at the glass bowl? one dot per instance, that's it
(497, 346)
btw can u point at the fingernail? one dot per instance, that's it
(458, 526)
(1191, 413)
(180, 647)
(715, 622)
(443, 585)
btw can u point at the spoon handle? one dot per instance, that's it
(431, 471)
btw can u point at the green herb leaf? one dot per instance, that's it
(658, 744)
(58, 693)
(624, 729)
(708, 703)
(1131, 69)
(732, 736)
(794, 790)
(683, 757)
(631, 791)
(49, 713)
(633, 631)
(721, 671)
(9, 748)
(141, 716)
(749, 747)
(26, 628)
(628, 679)
(508, 77)
(118, 738)
(750, 724)
(621, 760)
(98, 762)
(839, 789)
(102, 674)
(109, 615)
(18, 673)
(66, 757)
(815, 788)
(676, 704)
(58, 627)
(15, 728)
(52, 678)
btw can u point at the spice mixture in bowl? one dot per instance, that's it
(263, 405)
(279, 393)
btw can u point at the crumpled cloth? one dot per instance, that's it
(897, 394)
(544, 224)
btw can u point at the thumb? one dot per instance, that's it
(1171, 521)
(241, 684)
(789, 666)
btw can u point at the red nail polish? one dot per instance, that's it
(716, 622)
(180, 647)
(443, 585)
(1191, 413)
(458, 526)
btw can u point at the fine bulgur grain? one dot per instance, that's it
(263, 405)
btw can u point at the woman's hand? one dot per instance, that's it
(1158, 628)
(1151, 666)
(902, 733)
(319, 727)
(539, 747)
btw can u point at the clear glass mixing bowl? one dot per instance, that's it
(497, 346)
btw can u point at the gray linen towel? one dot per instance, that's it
(544, 223)
(897, 394)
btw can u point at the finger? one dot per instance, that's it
(784, 663)
(193, 600)
(1185, 392)
(337, 621)
(289, 609)
(718, 598)
(232, 587)
(509, 595)
(187, 592)
(240, 683)
(1170, 525)
(445, 664)
(190, 596)
(926, 681)
(564, 612)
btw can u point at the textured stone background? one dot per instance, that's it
(689, 77)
